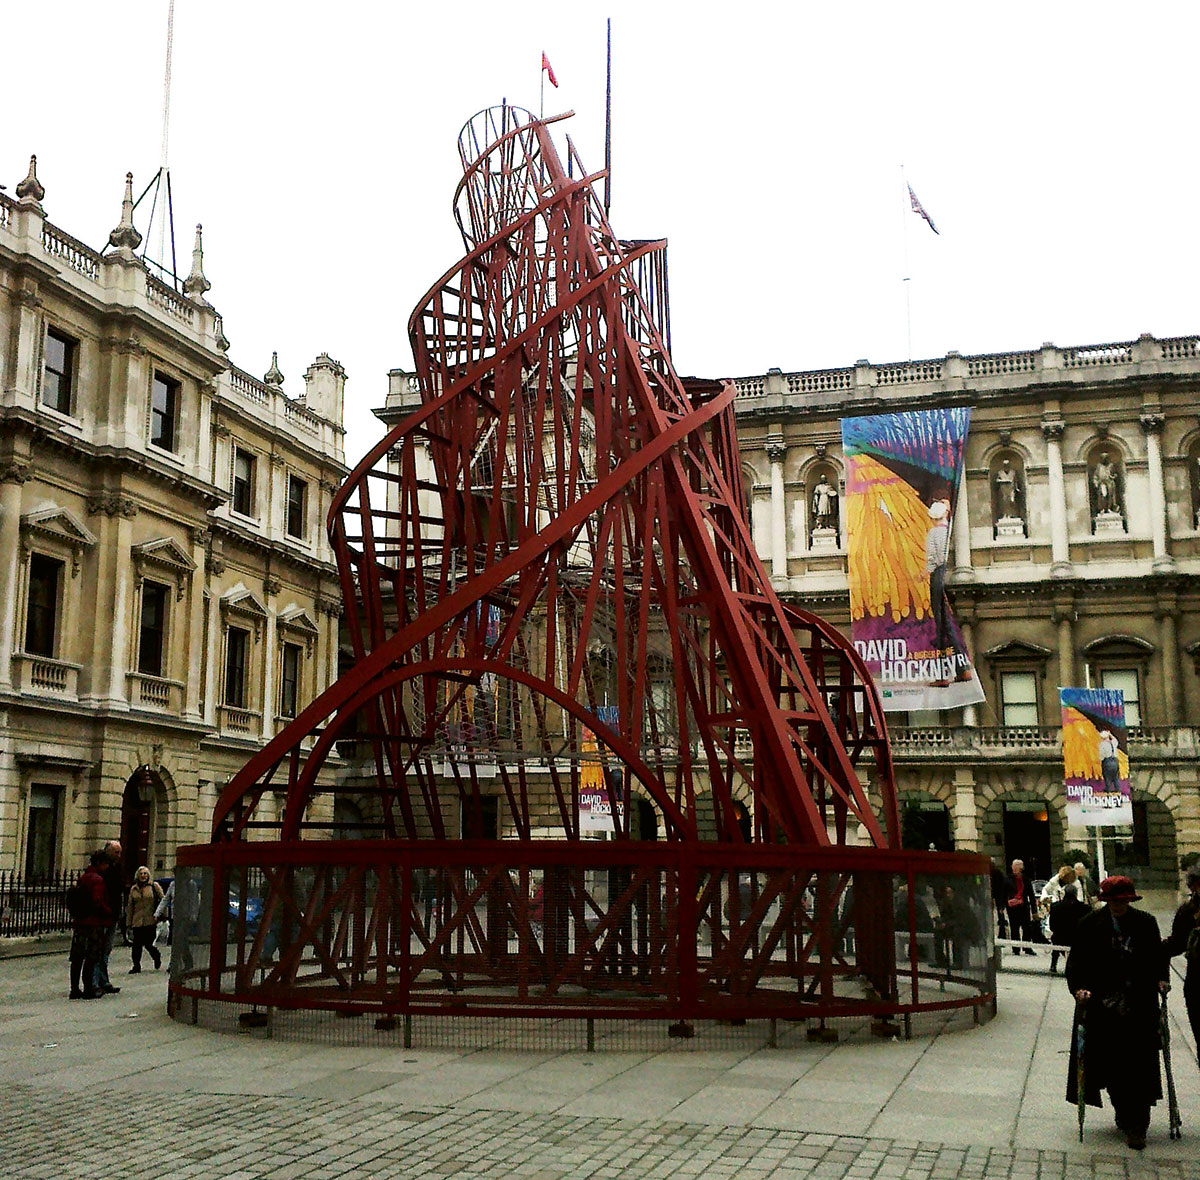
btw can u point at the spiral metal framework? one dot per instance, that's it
(552, 594)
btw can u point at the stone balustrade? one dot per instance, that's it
(42, 676)
(1008, 370)
(239, 722)
(155, 692)
(1038, 741)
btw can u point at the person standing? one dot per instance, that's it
(89, 919)
(1184, 939)
(1083, 883)
(1109, 763)
(140, 908)
(1115, 971)
(114, 889)
(1020, 906)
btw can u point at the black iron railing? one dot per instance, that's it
(34, 905)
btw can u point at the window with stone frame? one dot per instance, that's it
(1018, 699)
(152, 628)
(164, 411)
(43, 605)
(244, 470)
(291, 663)
(296, 523)
(58, 371)
(43, 824)
(237, 656)
(1121, 662)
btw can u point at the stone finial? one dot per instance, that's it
(125, 237)
(273, 375)
(30, 191)
(196, 284)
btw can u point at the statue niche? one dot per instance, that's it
(1009, 517)
(824, 520)
(1106, 489)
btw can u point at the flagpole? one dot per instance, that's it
(608, 122)
(542, 88)
(907, 280)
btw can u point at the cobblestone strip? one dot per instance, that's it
(198, 1137)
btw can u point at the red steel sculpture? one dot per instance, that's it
(560, 624)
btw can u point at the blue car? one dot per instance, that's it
(253, 912)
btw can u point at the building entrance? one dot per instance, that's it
(1027, 838)
(137, 814)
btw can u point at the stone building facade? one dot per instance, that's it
(167, 592)
(1076, 555)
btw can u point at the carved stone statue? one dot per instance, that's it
(1105, 487)
(824, 505)
(1008, 492)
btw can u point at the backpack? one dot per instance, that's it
(79, 901)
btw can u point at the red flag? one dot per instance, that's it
(550, 71)
(917, 207)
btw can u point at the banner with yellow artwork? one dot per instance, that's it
(902, 477)
(1096, 757)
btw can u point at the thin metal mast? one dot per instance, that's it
(608, 122)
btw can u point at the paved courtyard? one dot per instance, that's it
(113, 1087)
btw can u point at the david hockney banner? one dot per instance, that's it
(1096, 756)
(902, 478)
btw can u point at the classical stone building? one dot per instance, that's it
(1076, 552)
(167, 592)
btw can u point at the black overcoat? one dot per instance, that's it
(1121, 1018)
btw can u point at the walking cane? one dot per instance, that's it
(1164, 1038)
(1080, 1076)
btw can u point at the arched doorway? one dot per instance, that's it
(137, 820)
(925, 823)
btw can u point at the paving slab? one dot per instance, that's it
(976, 1104)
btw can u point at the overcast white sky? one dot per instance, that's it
(1054, 145)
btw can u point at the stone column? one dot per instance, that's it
(333, 611)
(274, 526)
(271, 587)
(1064, 618)
(962, 535)
(1168, 643)
(194, 668)
(212, 678)
(12, 477)
(122, 584)
(777, 453)
(966, 826)
(970, 714)
(1152, 424)
(1060, 553)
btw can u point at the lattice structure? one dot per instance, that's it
(559, 623)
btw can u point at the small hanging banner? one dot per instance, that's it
(1096, 757)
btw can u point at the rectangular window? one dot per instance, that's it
(237, 645)
(297, 499)
(164, 408)
(289, 681)
(41, 618)
(41, 839)
(58, 370)
(1126, 680)
(1018, 698)
(243, 482)
(153, 629)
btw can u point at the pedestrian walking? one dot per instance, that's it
(1184, 939)
(87, 901)
(999, 897)
(114, 888)
(1060, 887)
(1116, 971)
(1019, 904)
(140, 908)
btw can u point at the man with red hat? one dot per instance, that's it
(1115, 971)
